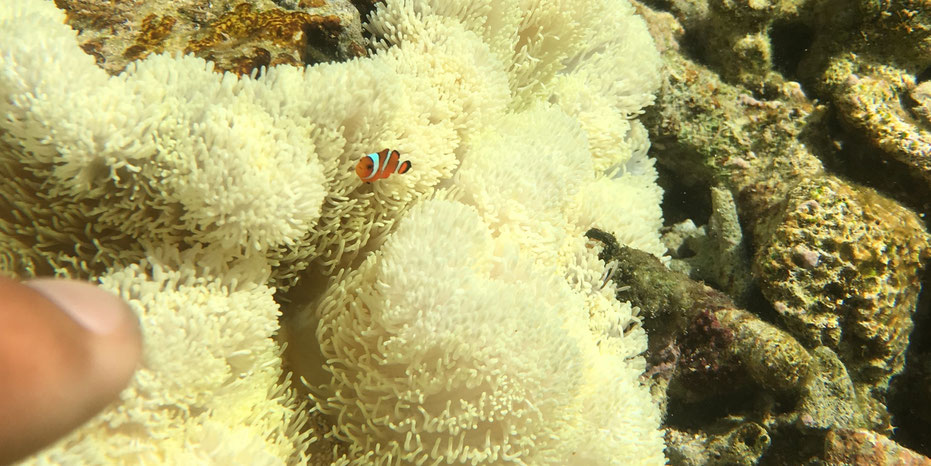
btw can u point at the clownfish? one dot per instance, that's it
(378, 165)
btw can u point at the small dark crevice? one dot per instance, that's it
(682, 201)
(857, 159)
(791, 42)
(910, 391)
(698, 415)
(923, 76)
(693, 44)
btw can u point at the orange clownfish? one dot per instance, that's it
(378, 165)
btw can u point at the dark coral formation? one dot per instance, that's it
(275, 37)
(151, 38)
(238, 36)
(740, 445)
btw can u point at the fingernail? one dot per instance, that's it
(92, 307)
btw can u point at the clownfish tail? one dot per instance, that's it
(404, 167)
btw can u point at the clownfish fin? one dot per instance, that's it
(404, 167)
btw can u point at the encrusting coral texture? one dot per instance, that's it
(465, 319)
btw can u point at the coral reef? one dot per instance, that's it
(830, 399)
(708, 357)
(760, 151)
(216, 201)
(872, 63)
(705, 356)
(458, 312)
(868, 59)
(238, 36)
(721, 344)
(735, 36)
(771, 356)
(839, 264)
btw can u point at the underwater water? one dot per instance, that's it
(622, 232)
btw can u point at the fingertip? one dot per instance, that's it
(116, 340)
(67, 350)
(94, 308)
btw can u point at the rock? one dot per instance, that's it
(866, 448)
(842, 265)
